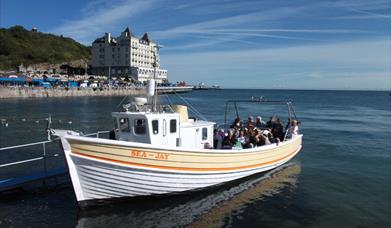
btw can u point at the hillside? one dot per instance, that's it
(18, 45)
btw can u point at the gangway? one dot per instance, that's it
(45, 177)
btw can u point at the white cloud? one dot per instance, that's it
(247, 19)
(100, 17)
(354, 64)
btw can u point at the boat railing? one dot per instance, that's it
(30, 162)
(43, 143)
(97, 134)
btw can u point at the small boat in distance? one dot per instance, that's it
(202, 86)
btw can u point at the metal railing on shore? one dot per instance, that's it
(11, 182)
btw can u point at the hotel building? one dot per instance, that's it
(127, 55)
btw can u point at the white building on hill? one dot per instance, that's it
(127, 55)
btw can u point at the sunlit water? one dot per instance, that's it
(341, 178)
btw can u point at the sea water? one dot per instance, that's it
(341, 177)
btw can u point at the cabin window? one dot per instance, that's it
(173, 126)
(124, 124)
(139, 126)
(155, 127)
(204, 133)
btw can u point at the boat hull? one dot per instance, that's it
(104, 169)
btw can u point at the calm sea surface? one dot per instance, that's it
(341, 178)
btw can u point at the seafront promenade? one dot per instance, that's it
(36, 92)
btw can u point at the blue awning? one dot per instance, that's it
(12, 80)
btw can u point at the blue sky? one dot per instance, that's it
(299, 44)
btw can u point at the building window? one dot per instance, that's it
(204, 133)
(124, 124)
(155, 127)
(139, 126)
(173, 126)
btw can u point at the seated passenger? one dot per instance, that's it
(237, 124)
(241, 137)
(253, 139)
(218, 139)
(250, 122)
(238, 145)
(246, 133)
(278, 130)
(112, 134)
(270, 123)
(207, 146)
(270, 137)
(229, 140)
(215, 138)
(293, 129)
(266, 133)
(247, 144)
(259, 123)
(261, 140)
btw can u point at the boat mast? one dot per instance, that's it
(154, 99)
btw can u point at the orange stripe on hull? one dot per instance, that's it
(184, 168)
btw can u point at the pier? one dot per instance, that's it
(44, 168)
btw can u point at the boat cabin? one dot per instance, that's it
(169, 127)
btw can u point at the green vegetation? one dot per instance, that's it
(21, 46)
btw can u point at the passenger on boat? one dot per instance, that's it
(250, 122)
(207, 146)
(241, 137)
(278, 129)
(261, 139)
(215, 138)
(237, 124)
(112, 134)
(218, 139)
(259, 123)
(293, 129)
(246, 133)
(229, 140)
(266, 134)
(254, 138)
(270, 122)
(270, 137)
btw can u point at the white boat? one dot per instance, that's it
(158, 150)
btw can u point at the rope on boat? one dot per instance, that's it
(169, 102)
(120, 103)
(192, 108)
